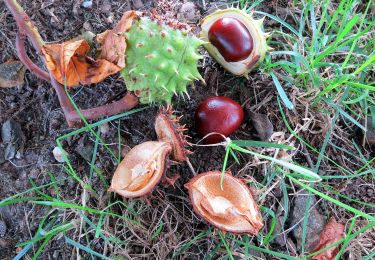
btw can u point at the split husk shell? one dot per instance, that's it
(231, 208)
(168, 129)
(141, 169)
(255, 28)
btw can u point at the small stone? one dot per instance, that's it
(87, 4)
(18, 155)
(85, 150)
(4, 243)
(87, 26)
(12, 74)
(315, 223)
(13, 138)
(138, 4)
(58, 154)
(188, 12)
(109, 19)
(2, 154)
(105, 7)
(104, 129)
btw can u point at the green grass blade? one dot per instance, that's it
(251, 143)
(277, 19)
(222, 237)
(309, 175)
(281, 92)
(85, 248)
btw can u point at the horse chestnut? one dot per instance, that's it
(231, 38)
(234, 39)
(218, 114)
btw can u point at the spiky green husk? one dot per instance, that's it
(255, 27)
(160, 61)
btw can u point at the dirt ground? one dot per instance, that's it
(34, 105)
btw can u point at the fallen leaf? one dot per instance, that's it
(262, 125)
(113, 41)
(331, 233)
(68, 62)
(70, 65)
(11, 74)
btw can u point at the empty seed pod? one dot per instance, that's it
(141, 169)
(168, 129)
(232, 208)
(234, 39)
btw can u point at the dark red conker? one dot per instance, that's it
(218, 114)
(231, 37)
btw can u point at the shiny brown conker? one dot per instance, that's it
(231, 37)
(218, 114)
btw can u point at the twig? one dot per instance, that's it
(24, 58)
(124, 104)
(191, 168)
(307, 155)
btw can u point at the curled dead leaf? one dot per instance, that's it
(232, 208)
(262, 125)
(113, 41)
(332, 233)
(369, 135)
(168, 129)
(70, 65)
(141, 169)
(11, 74)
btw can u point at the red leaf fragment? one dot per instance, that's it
(331, 233)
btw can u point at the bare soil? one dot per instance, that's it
(35, 107)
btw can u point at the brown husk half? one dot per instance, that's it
(231, 209)
(141, 169)
(168, 129)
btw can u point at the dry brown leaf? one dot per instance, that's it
(331, 233)
(69, 64)
(262, 125)
(11, 74)
(113, 41)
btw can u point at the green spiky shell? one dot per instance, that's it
(160, 61)
(255, 27)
